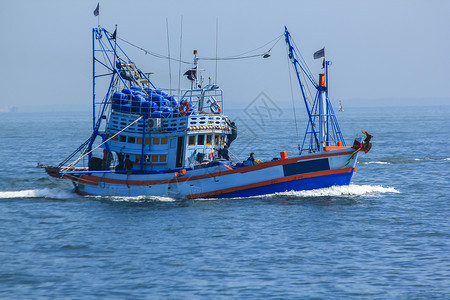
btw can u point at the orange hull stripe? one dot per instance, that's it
(270, 182)
(89, 179)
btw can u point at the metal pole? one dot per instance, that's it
(93, 77)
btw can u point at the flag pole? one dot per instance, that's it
(97, 14)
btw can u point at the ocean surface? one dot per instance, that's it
(385, 236)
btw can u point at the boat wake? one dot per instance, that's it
(375, 162)
(39, 193)
(138, 199)
(394, 160)
(339, 191)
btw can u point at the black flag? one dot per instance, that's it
(320, 53)
(97, 10)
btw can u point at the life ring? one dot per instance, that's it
(215, 108)
(184, 108)
(211, 155)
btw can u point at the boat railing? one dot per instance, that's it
(120, 120)
(195, 122)
(206, 100)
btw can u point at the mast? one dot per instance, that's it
(296, 65)
(322, 129)
(93, 76)
(323, 120)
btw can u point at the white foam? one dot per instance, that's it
(39, 193)
(140, 199)
(375, 162)
(343, 190)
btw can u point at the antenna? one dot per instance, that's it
(179, 61)
(217, 43)
(168, 51)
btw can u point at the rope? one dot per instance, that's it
(351, 157)
(77, 160)
(234, 156)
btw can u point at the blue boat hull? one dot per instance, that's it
(295, 185)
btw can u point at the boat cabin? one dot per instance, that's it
(160, 133)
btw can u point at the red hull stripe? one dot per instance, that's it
(94, 180)
(270, 182)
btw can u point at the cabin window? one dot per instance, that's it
(222, 140)
(147, 141)
(209, 139)
(163, 158)
(164, 141)
(147, 158)
(154, 158)
(131, 139)
(201, 139)
(191, 140)
(155, 141)
(123, 138)
(216, 140)
(139, 141)
(115, 138)
(138, 159)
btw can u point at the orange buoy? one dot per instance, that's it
(283, 154)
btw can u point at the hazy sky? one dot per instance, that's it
(382, 51)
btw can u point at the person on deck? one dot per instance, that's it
(226, 153)
(233, 135)
(252, 158)
(250, 161)
(128, 163)
(120, 166)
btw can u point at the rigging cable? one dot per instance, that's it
(304, 65)
(153, 53)
(243, 55)
(308, 94)
(83, 155)
(233, 57)
(257, 138)
(293, 103)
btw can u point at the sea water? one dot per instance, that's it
(384, 236)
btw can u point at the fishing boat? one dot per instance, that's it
(155, 143)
